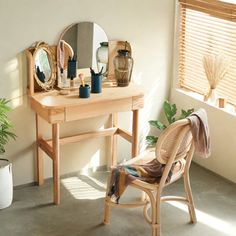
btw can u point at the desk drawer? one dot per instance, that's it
(97, 109)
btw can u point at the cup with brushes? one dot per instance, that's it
(96, 81)
(84, 89)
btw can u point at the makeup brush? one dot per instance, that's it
(81, 76)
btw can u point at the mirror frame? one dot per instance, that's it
(50, 84)
(64, 32)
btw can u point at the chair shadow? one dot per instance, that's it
(91, 182)
(37, 207)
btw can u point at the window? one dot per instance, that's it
(207, 27)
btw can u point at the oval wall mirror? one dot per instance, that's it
(44, 68)
(42, 64)
(88, 44)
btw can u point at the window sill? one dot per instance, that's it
(230, 109)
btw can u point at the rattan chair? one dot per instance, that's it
(175, 145)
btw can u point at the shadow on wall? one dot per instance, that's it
(152, 107)
(19, 152)
(15, 72)
(147, 111)
(145, 115)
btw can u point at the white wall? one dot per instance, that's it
(223, 136)
(147, 25)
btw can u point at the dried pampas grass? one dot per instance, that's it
(216, 67)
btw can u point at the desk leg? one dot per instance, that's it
(56, 163)
(114, 140)
(40, 178)
(135, 134)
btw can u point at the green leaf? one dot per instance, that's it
(151, 140)
(5, 125)
(2, 150)
(157, 124)
(170, 111)
(185, 114)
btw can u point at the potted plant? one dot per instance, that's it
(6, 186)
(170, 111)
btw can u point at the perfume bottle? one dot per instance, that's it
(102, 57)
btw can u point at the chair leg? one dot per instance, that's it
(107, 207)
(106, 219)
(189, 195)
(155, 212)
(156, 230)
(158, 214)
(156, 226)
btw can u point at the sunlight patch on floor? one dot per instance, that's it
(208, 220)
(80, 189)
(229, 1)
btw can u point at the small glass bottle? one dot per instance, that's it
(123, 65)
(102, 57)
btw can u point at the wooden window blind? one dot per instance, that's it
(207, 27)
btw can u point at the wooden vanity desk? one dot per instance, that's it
(46, 65)
(57, 109)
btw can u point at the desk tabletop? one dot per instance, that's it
(54, 107)
(54, 99)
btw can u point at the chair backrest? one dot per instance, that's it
(175, 143)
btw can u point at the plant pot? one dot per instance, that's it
(6, 185)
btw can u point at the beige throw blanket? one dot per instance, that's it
(200, 132)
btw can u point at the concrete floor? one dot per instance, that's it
(81, 210)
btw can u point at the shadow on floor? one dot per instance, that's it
(82, 201)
